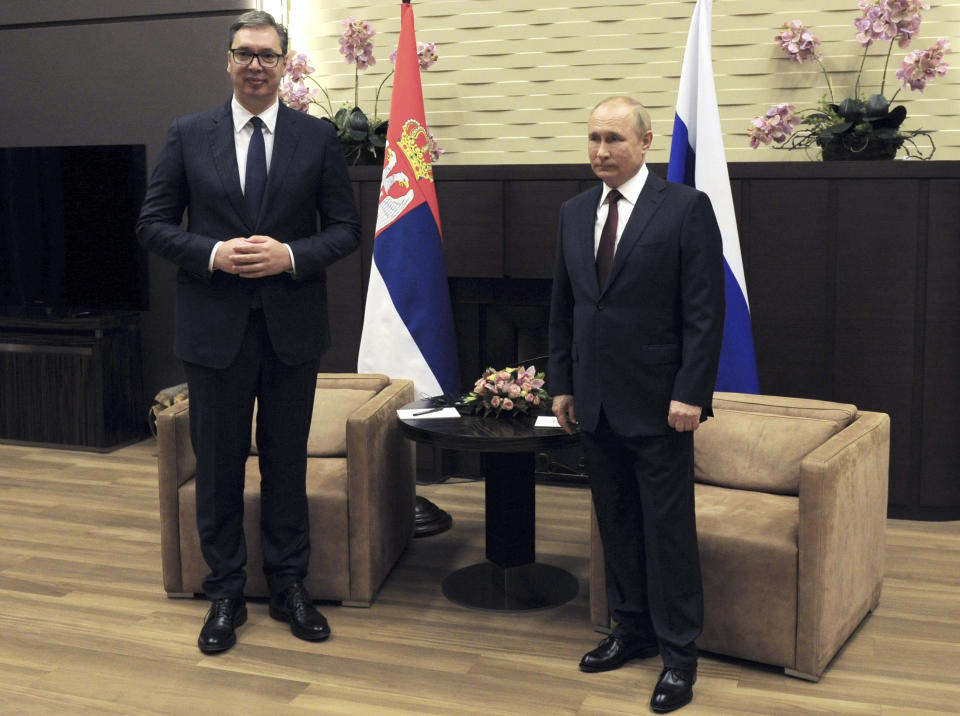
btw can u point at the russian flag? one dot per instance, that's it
(697, 158)
(408, 322)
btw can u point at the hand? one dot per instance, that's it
(565, 412)
(253, 257)
(683, 417)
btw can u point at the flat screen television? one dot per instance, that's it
(68, 229)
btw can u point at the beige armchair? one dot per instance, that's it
(791, 501)
(360, 487)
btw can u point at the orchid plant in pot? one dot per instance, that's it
(362, 138)
(857, 126)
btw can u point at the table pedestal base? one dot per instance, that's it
(510, 589)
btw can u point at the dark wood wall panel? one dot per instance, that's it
(789, 264)
(852, 273)
(532, 215)
(939, 445)
(345, 289)
(876, 307)
(471, 215)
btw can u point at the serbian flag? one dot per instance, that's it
(697, 159)
(408, 322)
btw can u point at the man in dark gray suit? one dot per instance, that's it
(251, 316)
(636, 324)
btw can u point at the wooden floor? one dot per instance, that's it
(86, 629)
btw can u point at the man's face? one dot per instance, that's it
(255, 86)
(616, 150)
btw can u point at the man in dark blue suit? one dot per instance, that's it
(636, 324)
(251, 315)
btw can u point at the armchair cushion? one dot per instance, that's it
(756, 442)
(841, 413)
(327, 487)
(337, 397)
(328, 428)
(748, 556)
(756, 451)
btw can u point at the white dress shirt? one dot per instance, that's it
(242, 132)
(630, 192)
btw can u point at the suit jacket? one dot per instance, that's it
(653, 333)
(197, 170)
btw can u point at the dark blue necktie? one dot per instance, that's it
(256, 177)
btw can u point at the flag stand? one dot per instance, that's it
(408, 327)
(429, 519)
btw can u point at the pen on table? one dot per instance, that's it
(424, 412)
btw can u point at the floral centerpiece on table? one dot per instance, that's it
(511, 391)
(856, 127)
(362, 138)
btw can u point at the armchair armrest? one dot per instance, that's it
(176, 464)
(843, 511)
(381, 488)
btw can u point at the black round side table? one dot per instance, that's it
(511, 579)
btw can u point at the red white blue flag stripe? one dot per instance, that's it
(408, 322)
(697, 159)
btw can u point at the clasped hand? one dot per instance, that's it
(253, 257)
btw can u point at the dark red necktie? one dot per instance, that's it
(608, 239)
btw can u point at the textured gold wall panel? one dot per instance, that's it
(516, 78)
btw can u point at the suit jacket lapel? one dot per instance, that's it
(648, 202)
(225, 160)
(285, 139)
(586, 228)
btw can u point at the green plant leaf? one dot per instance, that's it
(892, 120)
(357, 121)
(850, 109)
(877, 106)
(836, 129)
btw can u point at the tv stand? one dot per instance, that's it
(72, 382)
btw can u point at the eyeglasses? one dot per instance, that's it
(245, 57)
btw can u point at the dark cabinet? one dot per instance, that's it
(72, 382)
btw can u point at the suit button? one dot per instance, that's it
(600, 306)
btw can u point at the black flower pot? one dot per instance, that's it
(851, 147)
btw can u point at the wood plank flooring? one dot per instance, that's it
(85, 627)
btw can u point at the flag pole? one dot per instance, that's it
(697, 159)
(408, 329)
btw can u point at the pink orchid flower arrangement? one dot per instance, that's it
(510, 391)
(361, 138)
(857, 127)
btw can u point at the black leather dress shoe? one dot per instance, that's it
(673, 690)
(293, 605)
(613, 652)
(224, 617)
